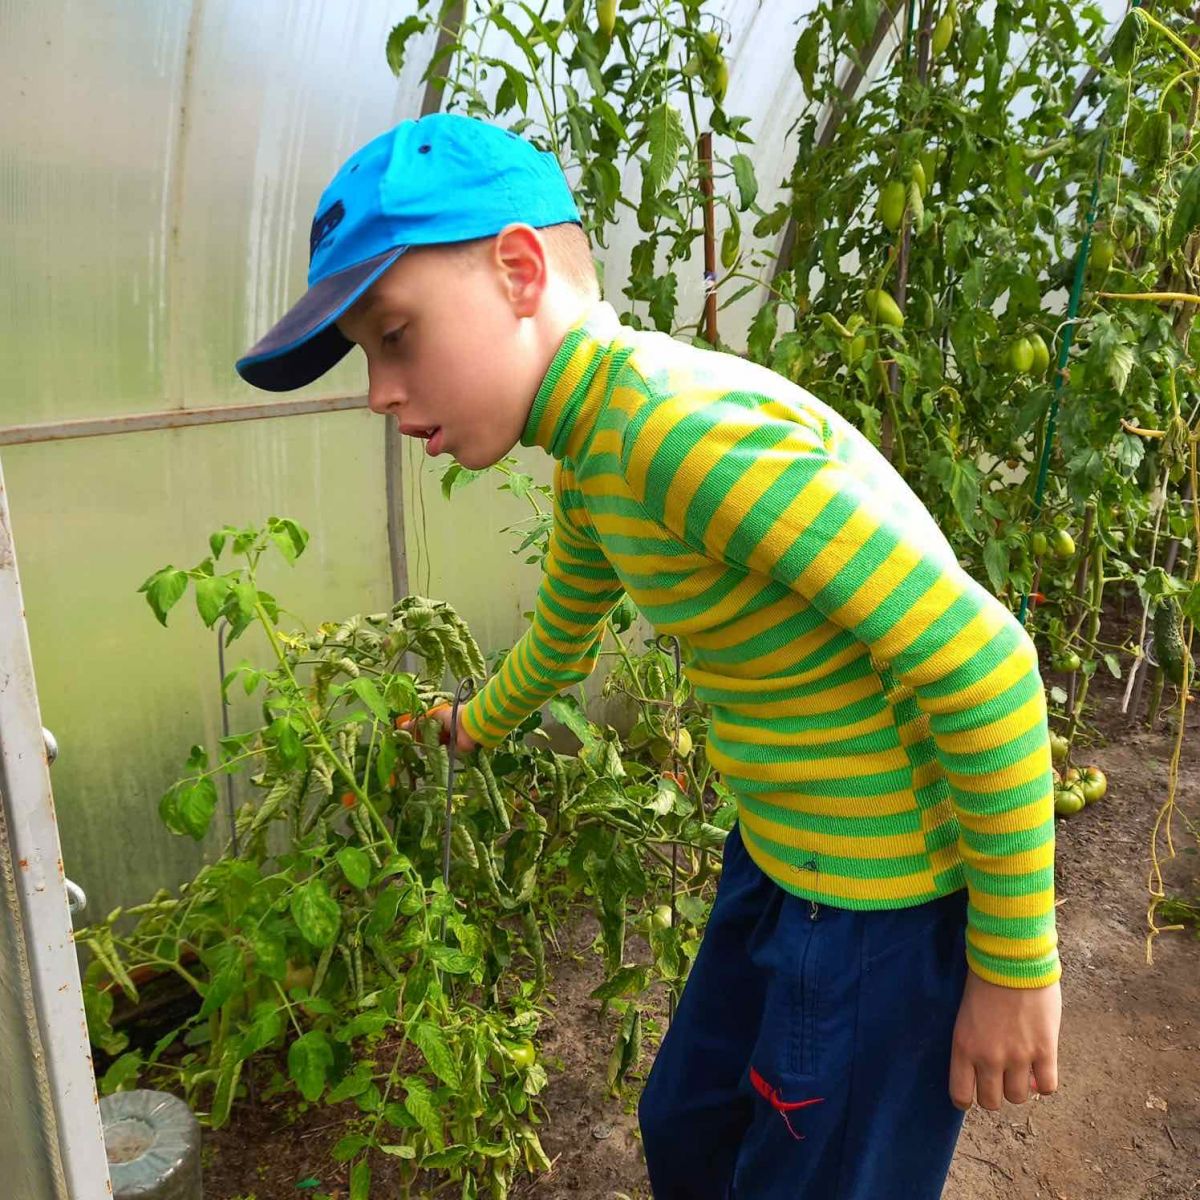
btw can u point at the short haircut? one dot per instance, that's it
(569, 253)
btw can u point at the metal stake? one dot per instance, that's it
(466, 689)
(662, 642)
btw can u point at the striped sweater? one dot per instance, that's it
(878, 714)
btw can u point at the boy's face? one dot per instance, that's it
(453, 344)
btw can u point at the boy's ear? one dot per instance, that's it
(520, 257)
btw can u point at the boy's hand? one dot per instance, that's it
(1002, 1036)
(442, 713)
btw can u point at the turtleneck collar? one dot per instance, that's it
(572, 394)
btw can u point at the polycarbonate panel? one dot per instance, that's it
(159, 165)
(125, 697)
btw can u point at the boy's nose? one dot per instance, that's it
(384, 402)
(384, 394)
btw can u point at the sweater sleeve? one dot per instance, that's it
(578, 590)
(762, 491)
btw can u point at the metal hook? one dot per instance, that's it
(76, 899)
(672, 643)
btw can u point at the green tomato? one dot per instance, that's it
(918, 176)
(660, 918)
(1020, 356)
(1068, 801)
(1103, 250)
(1038, 543)
(890, 208)
(523, 1055)
(660, 747)
(884, 309)
(943, 31)
(720, 79)
(1059, 747)
(1041, 354)
(606, 11)
(1070, 662)
(1063, 544)
(929, 164)
(1093, 784)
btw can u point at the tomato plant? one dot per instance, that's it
(326, 936)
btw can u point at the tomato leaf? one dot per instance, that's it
(356, 866)
(309, 1058)
(625, 981)
(664, 136)
(566, 711)
(367, 691)
(456, 962)
(266, 1026)
(400, 1151)
(1187, 209)
(398, 40)
(195, 803)
(360, 1180)
(270, 954)
(315, 912)
(744, 177)
(808, 46)
(419, 1103)
(211, 592)
(122, 1074)
(995, 560)
(383, 915)
(1129, 38)
(225, 982)
(437, 1053)
(163, 590)
(365, 1024)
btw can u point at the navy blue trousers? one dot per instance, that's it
(809, 1058)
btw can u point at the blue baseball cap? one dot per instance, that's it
(440, 179)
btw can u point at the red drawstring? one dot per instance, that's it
(783, 1107)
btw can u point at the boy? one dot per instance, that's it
(881, 950)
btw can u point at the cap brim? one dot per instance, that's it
(305, 343)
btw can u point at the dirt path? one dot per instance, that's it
(1125, 1124)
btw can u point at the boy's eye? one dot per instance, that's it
(392, 338)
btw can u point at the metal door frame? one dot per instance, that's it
(34, 858)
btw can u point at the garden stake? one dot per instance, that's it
(225, 733)
(251, 1094)
(673, 642)
(1064, 352)
(465, 690)
(710, 241)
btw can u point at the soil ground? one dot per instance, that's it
(1125, 1124)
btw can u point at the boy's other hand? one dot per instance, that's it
(442, 714)
(1005, 1044)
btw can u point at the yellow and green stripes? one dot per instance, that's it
(562, 642)
(878, 714)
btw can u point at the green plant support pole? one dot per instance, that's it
(1064, 352)
(1064, 349)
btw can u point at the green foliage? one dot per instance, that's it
(324, 937)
